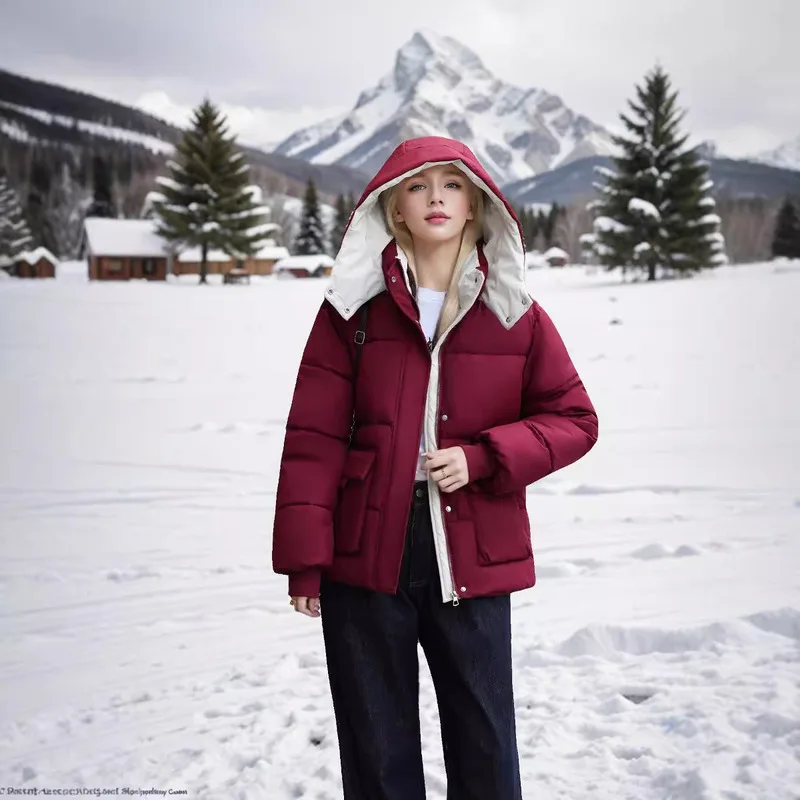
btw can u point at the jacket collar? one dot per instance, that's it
(399, 281)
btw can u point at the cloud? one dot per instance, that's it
(258, 127)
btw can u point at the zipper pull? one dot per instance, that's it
(455, 598)
(430, 345)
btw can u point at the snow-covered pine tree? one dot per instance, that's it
(311, 236)
(207, 200)
(655, 210)
(15, 236)
(786, 239)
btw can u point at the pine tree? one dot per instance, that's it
(655, 209)
(786, 239)
(65, 212)
(542, 229)
(38, 203)
(340, 222)
(311, 236)
(549, 223)
(529, 227)
(527, 221)
(15, 236)
(102, 181)
(207, 202)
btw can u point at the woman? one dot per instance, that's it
(413, 433)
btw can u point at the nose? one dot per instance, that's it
(435, 196)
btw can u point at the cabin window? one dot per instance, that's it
(114, 265)
(148, 267)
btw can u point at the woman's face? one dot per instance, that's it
(435, 203)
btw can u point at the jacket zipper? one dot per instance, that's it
(453, 593)
(431, 346)
(420, 433)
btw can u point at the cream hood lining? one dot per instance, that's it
(357, 274)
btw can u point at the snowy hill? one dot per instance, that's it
(573, 182)
(148, 644)
(439, 86)
(786, 155)
(32, 110)
(77, 123)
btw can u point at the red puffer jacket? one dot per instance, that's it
(499, 382)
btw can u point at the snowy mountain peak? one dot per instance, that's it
(438, 86)
(427, 52)
(786, 155)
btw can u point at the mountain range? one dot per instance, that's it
(438, 86)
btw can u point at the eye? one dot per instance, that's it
(416, 186)
(454, 183)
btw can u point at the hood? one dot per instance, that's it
(358, 273)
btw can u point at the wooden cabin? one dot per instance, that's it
(315, 266)
(264, 261)
(187, 262)
(219, 263)
(39, 263)
(123, 249)
(556, 257)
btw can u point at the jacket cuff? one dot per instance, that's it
(305, 583)
(480, 461)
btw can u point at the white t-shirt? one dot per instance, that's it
(430, 302)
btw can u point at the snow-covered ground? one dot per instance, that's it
(146, 643)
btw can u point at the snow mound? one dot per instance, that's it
(562, 570)
(652, 551)
(120, 575)
(655, 551)
(606, 641)
(783, 622)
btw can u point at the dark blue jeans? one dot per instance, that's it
(371, 647)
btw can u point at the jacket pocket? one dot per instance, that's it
(351, 506)
(502, 527)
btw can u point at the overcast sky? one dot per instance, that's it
(275, 66)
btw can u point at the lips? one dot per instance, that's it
(437, 217)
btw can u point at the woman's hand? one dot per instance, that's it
(448, 468)
(306, 605)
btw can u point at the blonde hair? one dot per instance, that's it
(473, 231)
